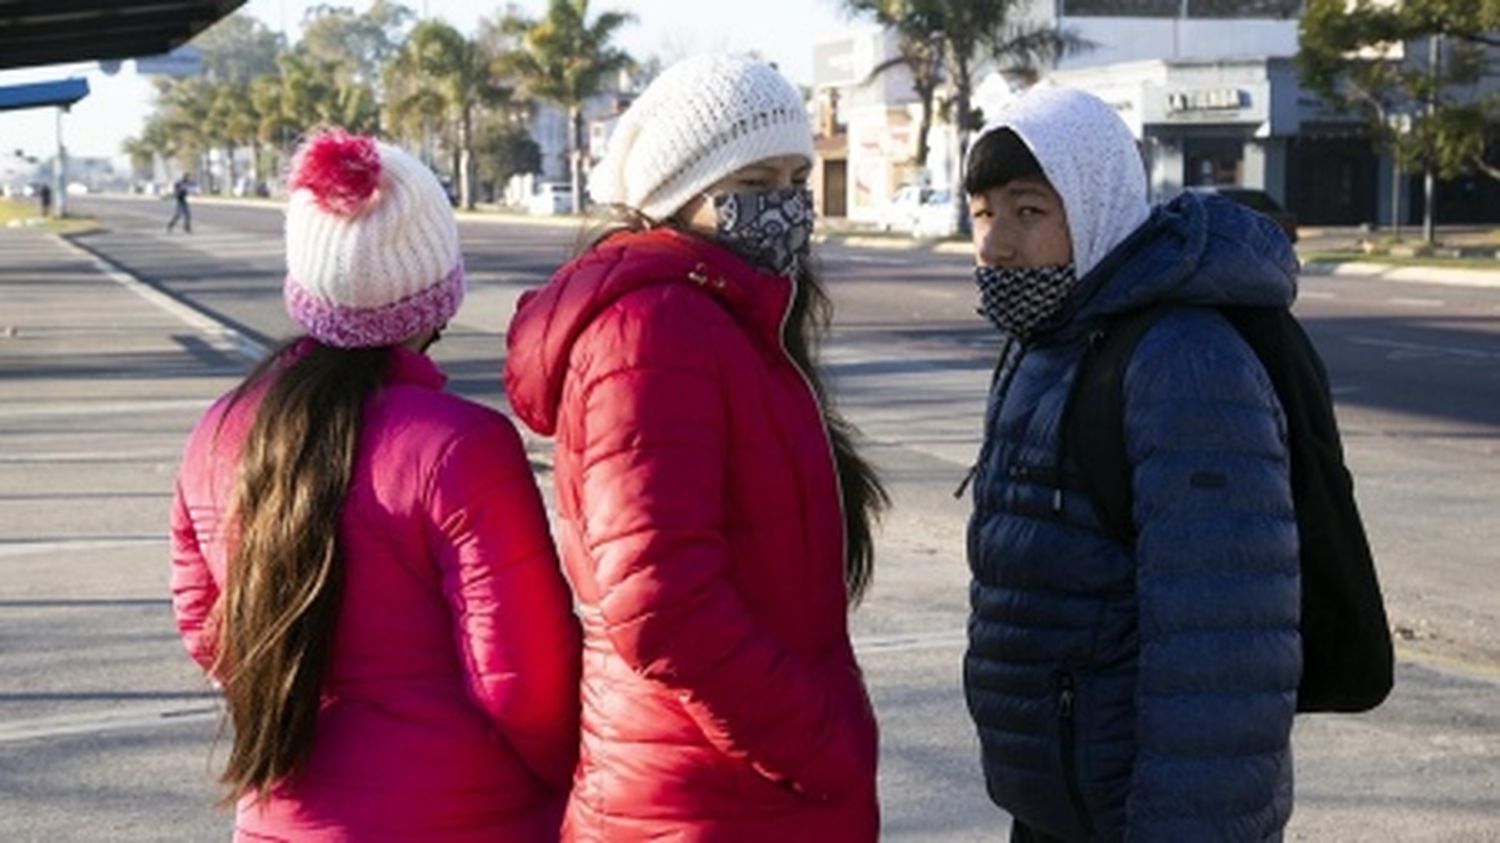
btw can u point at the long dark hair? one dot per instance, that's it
(864, 496)
(285, 580)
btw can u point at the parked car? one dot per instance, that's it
(919, 211)
(1258, 200)
(550, 198)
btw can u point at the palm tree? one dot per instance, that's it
(565, 59)
(439, 73)
(949, 38)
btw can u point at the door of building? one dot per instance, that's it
(836, 188)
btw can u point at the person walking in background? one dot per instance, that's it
(44, 199)
(714, 515)
(1141, 690)
(362, 560)
(180, 209)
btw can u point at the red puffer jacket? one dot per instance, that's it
(450, 708)
(702, 529)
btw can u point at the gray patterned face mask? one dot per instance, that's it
(1020, 299)
(771, 229)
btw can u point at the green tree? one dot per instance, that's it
(504, 148)
(440, 74)
(238, 49)
(1415, 63)
(565, 59)
(948, 40)
(357, 45)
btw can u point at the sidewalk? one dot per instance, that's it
(105, 723)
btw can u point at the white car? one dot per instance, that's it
(920, 212)
(550, 198)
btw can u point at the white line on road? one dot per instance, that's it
(1419, 348)
(45, 457)
(1406, 302)
(218, 334)
(190, 711)
(43, 407)
(1319, 295)
(903, 641)
(935, 294)
(140, 717)
(876, 259)
(12, 549)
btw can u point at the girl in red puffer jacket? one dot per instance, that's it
(715, 518)
(363, 561)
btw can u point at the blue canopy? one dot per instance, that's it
(63, 92)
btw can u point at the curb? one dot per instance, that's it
(1427, 274)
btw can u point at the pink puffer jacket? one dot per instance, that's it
(450, 709)
(702, 529)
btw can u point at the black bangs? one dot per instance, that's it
(998, 158)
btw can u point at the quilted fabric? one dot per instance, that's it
(700, 525)
(450, 709)
(1144, 693)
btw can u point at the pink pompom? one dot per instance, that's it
(341, 170)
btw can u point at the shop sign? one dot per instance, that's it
(1208, 99)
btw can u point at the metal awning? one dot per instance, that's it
(63, 92)
(34, 32)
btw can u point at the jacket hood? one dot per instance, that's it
(550, 319)
(1089, 157)
(1198, 249)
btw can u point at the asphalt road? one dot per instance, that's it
(1414, 369)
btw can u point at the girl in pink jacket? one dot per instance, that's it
(714, 515)
(362, 561)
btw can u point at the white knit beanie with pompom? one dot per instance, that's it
(700, 120)
(371, 244)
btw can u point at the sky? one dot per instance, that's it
(781, 31)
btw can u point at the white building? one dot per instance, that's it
(867, 128)
(1209, 87)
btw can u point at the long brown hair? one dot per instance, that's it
(285, 580)
(864, 496)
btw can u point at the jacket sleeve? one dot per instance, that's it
(513, 616)
(194, 591)
(653, 495)
(1217, 581)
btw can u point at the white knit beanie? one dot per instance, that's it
(700, 120)
(371, 244)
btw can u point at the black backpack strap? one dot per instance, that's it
(1093, 422)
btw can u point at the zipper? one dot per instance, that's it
(1068, 731)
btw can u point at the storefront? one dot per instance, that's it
(1245, 123)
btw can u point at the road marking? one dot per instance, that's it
(189, 710)
(14, 549)
(906, 641)
(876, 259)
(219, 335)
(204, 709)
(1405, 302)
(1318, 295)
(44, 408)
(43, 458)
(1420, 348)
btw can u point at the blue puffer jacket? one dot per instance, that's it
(1144, 694)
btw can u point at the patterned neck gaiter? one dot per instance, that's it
(771, 229)
(1020, 299)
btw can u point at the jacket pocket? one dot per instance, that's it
(1067, 693)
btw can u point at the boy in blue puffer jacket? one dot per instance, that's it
(1140, 692)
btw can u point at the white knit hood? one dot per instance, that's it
(1090, 157)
